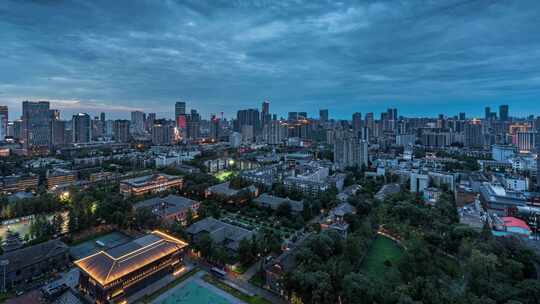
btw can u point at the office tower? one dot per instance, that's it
(150, 122)
(137, 122)
(292, 116)
(503, 112)
(58, 132)
(302, 115)
(356, 122)
(3, 122)
(55, 114)
(350, 151)
(527, 141)
(275, 132)
(17, 130)
(82, 130)
(36, 124)
(265, 114)
(162, 132)
(109, 128)
(193, 125)
(473, 134)
(214, 128)
(462, 116)
(369, 123)
(248, 117)
(487, 113)
(121, 130)
(179, 109)
(323, 115)
(102, 117)
(392, 114)
(98, 128)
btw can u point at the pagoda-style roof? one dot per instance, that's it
(117, 262)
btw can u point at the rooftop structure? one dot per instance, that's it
(227, 235)
(270, 201)
(120, 271)
(172, 207)
(150, 184)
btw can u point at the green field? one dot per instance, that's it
(383, 249)
(223, 175)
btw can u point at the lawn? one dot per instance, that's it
(383, 249)
(223, 175)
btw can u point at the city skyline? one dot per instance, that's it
(95, 57)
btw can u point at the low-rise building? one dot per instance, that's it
(499, 201)
(336, 219)
(223, 234)
(387, 190)
(170, 208)
(431, 195)
(273, 202)
(150, 184)
(60, 178)
(17, 183)
(225, 190)
(111, 276)
(25, 264)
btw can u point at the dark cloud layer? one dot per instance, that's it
(425, 56)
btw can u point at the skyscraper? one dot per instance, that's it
(473, 134)
(121, 130)
(265, 113)
(369, 123)
(323, 115)
(58, 133)
(357, 122)
(82, 128)
(248, 117)
(137, 122)
(350, 151)
(102, 117)
(3, 122)
(487, 113)
(179, 109)
(193, 125)
(214, 128)
(162, 132)
(36, 124)
(503, 112)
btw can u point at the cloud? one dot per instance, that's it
(223, 55)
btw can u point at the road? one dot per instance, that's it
(242, 282)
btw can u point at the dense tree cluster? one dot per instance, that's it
(443, 261)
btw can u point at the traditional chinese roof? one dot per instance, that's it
(117, 262)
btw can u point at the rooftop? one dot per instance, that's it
(142, 180)
(166, 205)
(112, 264)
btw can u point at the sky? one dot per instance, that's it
(423, 57)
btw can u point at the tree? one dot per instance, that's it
(146, 219)
(189, 217)
(204, 245)
(245, 252)
(284, 210)
(356, 286)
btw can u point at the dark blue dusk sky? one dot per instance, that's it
(424, 57)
